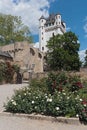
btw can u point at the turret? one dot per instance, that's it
(42, 21)
(58, 19)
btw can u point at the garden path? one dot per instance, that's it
(17, 123)
(7, 90)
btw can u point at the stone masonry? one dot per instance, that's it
(29, 59)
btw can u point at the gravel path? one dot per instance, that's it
(7, 90)
(21, 123)
(16, 123)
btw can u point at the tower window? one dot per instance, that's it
(42, 38)
(49, 24)
(53, 34)
(42, 48)
(46, 25)
(59, 16)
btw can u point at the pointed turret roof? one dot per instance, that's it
(42, 17)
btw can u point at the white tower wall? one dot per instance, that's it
(41, 33)
(49, 26)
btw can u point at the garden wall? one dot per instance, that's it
(28, 76)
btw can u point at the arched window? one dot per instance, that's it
(42, 48)
(32, 51)
(39, 55)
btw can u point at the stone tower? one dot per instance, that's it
(49, 26)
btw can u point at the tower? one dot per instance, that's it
(42, 22)
(49, 26)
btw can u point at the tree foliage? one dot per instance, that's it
(63, 52)
(12, 30)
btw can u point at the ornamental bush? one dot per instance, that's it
(28, 101)
(82, 111)
(2, 72)
(62, 80)
(56, 81)
(45, 97)
(6, 72)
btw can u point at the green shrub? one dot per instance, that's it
(62, 80)
(28, 101)
(39, 84)
(6, 72)
(82, 111)
(56, 81)
(9, 72)
(2, 71)
(44, 97)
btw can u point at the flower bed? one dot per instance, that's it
(57, 95)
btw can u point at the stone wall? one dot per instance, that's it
(28, 76)
(26, 56)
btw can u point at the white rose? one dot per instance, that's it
(49, 100)
(32, 102)
(57, 108)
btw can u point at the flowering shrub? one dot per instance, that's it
(2, 71)
(57, 95)
(9, 71)
(82, 111)
(75, 83)
(56, 81)
(61, 80)
(28, 101)
(40, 83)
(6, 72)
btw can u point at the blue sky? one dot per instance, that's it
(74, 13)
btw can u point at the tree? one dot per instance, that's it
(85, 64)
(63, 52)
(12, 29)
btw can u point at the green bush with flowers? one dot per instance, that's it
(62, 80)
(7, 72)
(59, 94)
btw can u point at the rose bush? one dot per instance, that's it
(57, 95)
(6, 72)
(28, 101)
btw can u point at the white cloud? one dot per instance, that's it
(36, 45)
(68, 29)
(85, 28)
(29, 10)
(82, 55)
(85, 18)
